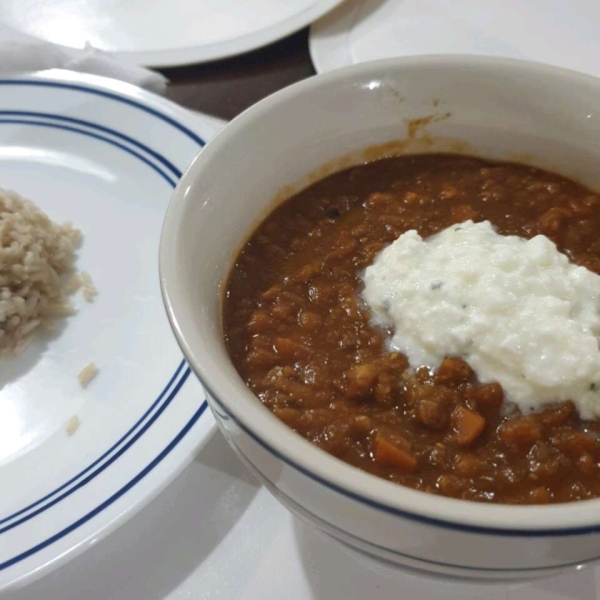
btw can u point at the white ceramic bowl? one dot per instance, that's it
(495, 108)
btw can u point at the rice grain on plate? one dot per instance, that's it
(87, 374)
(36, 257)
(89, 290)
(72, 425)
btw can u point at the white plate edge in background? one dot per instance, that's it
(200, 53)
(333, 39)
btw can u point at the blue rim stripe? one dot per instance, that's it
(101, 458)
(113, 96)
(42, 115)
(103, 467)
(426, 561)
(95, 136)
(474, 529)
(90, 515)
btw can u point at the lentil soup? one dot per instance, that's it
(301, 337)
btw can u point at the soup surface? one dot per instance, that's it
(302, 338)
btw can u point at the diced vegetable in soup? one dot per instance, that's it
(491, 404)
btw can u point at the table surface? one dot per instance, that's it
(225, 88)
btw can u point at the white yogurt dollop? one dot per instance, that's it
(518, 311)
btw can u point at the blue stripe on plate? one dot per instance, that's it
(43, 115)
(104, 465)
(111, 95)
(90, 515)
(101, 458)
(95, 136)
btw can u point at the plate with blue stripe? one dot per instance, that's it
(105, 156)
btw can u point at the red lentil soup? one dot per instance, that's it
(301, 338)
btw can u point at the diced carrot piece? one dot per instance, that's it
(467, 425)
(388, 453)
(520, 433)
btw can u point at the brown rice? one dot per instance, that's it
(36, 258)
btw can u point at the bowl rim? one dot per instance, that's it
(564, 519)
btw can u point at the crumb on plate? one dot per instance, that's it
(72, 425)
(87, 374)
